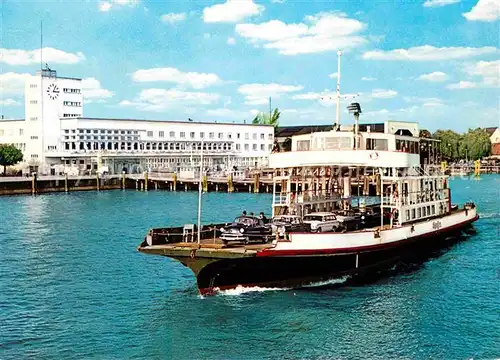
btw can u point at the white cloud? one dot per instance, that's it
(333, 75)
(326, 31)
(462, 85)
(93, 91)
(484, 10)
(277, 1)
(105, 6)
(258, 94)
(383, 94)
(489, 71)
(231, 11)
(163, 99)
(13, 83)
(436, 76)
(30, 57)
(429, 53)
(8, 102)
(192, 79)
(440, 3)
(172, 18)
(231, 41)
(366, 78)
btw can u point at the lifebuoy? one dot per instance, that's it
(374, 155)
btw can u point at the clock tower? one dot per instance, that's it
(48, 99)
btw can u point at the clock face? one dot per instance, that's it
(53, 91)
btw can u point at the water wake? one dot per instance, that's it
(240, 290)
(335, 281)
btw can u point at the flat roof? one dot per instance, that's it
(12, 120)
(165, 121)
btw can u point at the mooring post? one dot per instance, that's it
(156, 185)
(33, 184)
(97, 181)
(123, 181)
(137, 185)
(65, 182)
(230, 186)
(256, 183)
(146, 181)
(175, 182)
(216, 187)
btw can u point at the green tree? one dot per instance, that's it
(450, 143)
(264, 118)
(9, 155)
(425, 134)
(287, 144)
(475, 144)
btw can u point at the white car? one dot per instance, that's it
(322, 221)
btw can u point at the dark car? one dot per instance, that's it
(246, 229)
(285, 224)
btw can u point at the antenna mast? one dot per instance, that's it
(200, 190)
(337, 120)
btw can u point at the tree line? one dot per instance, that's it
(472, 145)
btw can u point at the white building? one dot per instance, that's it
(55, 137)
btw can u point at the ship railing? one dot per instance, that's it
(301, 197)
(415, 197)
(171, 235)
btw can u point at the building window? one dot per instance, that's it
(254, 136)
(270, 136)
(247, 147)
(33, 118)
(211, 135)
(34, 156)
(182, 135)
(262, 136)
(21, 131)
(247, 136)
(149, 134)
(33, 102)
(172, 134)
(254, 147)
(161, 134)
(191, 135)
(238, 135)
(202, 135)
(34, 137)
(221, 135)
(33, 86)
(262, 147)
(229, 135)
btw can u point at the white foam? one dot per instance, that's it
(239, 290)
(334, 281)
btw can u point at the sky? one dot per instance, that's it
(432, 61)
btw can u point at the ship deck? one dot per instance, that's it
(207, 248)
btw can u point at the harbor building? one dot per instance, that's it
(56, 137)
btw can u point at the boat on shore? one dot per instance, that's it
(415, 213)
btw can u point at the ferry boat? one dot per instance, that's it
(327, 173)
(388, 162)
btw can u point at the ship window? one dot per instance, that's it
(376, 144)
(423, 212)
(433, 210)
(303, 145)
(335, 142)
(407, 215)
(419, 213)
(413, 213)
(428, 210)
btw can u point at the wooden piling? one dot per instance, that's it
(123, 181)
(230, 185)
(65, 182)
(175, 181)
(97, 181)
(204, 183)
(146, 181)
(256, 183)
(33, 185)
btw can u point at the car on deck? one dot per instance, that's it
(322, 221)
(285, 224)
(246, 229)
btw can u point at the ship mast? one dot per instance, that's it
(200, 190)
(337, 119)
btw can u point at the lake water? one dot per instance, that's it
(73, 286)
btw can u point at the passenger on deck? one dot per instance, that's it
(263, 217)
(251, 214)
(244, 213)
